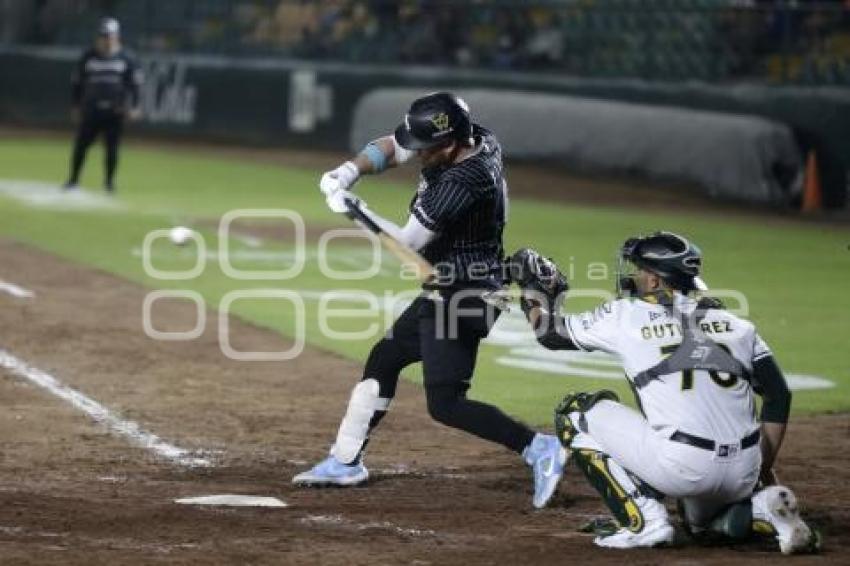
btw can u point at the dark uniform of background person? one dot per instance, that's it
(457, 218)
(104, 90)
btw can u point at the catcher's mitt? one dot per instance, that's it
(539, 279)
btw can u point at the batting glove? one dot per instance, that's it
(337, 201)
(340, 179)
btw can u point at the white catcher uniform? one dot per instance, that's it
(711, 406)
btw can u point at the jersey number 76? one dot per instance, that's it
(688, 375)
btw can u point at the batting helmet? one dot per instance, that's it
(433, 120)
(670, 256)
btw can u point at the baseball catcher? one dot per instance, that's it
(457, 217)
(694, 368)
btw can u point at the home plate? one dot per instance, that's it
(233, 501)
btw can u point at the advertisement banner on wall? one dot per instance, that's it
(312, 106)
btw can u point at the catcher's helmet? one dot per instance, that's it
(670, 256)
(434, 119)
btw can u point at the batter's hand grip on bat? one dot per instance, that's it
(352, 203)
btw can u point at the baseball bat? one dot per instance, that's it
(424, 270)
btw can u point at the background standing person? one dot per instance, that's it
(104, 91)
(456, 221)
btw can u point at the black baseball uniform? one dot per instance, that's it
(465, 204)
(104, 88)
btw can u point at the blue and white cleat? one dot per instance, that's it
(547, 459)
(332, 472)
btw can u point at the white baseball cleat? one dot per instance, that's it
(332, 472)
(547, 459)
(656, 530)
(777, 506)
(651, 535)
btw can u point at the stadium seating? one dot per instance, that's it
(668, 40)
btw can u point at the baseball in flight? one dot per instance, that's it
(179, 235)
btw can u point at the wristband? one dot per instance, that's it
(375, 156)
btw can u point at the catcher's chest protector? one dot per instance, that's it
(697, 351)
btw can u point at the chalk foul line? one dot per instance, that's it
(100, 414)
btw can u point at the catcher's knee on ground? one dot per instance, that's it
(707, 518)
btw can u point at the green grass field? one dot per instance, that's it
(791, 274)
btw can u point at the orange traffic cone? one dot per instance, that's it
(811, 188)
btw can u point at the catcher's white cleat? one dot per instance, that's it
(332, 472)
(777, 506)
(656, 530)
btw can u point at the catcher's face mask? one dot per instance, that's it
(627, 269)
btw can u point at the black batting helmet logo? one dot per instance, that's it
(441, 121)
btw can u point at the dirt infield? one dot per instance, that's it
(73, 492)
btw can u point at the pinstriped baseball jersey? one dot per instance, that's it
(466, 205)
(710, 404)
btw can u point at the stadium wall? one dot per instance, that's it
(729, 156)
(311, 105)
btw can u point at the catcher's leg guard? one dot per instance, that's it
(364, 407)
(642, 520)
(577, 403)
(614, 484)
